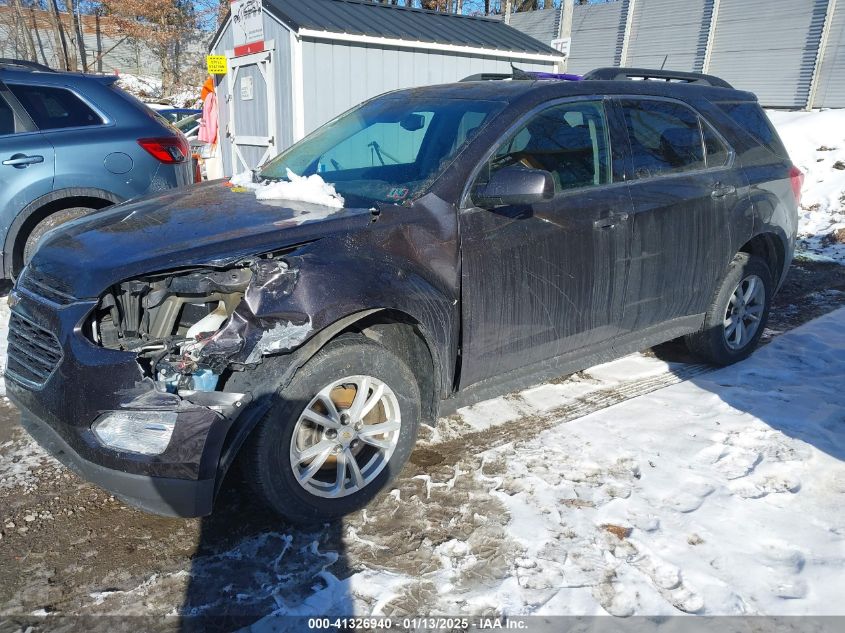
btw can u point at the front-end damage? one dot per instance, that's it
(192, 328)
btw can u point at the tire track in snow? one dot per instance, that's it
(533, 423)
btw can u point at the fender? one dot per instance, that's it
(33, 207)
(301, 302)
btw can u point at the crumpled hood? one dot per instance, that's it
(207, 224)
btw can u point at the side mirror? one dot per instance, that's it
(515, 186)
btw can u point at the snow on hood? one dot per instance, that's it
(311, 189)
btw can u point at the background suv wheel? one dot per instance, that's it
(338, 434)
(737, 316)
(49, 223)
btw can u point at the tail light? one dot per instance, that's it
(169, 149)
(796, 179)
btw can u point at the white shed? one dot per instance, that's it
(294, 65)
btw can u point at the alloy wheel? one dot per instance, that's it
(744, 312)
(345, 436)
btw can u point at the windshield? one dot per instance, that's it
(386, 150)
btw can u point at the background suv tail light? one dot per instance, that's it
(796, 179)
(168, 149)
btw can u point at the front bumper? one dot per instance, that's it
(166, 496)
(59, 406)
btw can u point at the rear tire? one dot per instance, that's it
(48, 224)
(313, 458)
(738, 313)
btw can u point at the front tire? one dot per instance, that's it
(338, 434)
(738, 313)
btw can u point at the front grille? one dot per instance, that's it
(46, 287)
(34, 353)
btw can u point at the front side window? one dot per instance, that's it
(387, 150)
(665, 138)
(54, 108)
(569, 141)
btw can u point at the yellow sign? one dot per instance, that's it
(217, 64)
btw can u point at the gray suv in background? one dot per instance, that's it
(71, 144)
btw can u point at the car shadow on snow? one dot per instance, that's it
(250, 564)
(790, 386)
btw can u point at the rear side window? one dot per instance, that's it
(751, 118)
(7, 118)
(717, 155)
(54, 108)
(665, 138)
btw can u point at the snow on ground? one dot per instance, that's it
(149, 89)
(309, 189)
(719, 495)
(816, 143)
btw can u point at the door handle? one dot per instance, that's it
(22, 160)
(610, 221)
(720, 190)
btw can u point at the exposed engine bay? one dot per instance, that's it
(187, 328)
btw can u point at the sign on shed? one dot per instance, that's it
(216, 64)
(247, 26)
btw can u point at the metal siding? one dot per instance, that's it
(660, 32)
(596, 36)
(251, 119)
(831, 87)
(339, 76)
(769, 47)
(382, 20)
(542, 25)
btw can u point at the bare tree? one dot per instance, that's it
(60, 36)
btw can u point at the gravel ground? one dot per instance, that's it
(67, 547)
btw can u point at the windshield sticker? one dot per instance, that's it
(398, 193)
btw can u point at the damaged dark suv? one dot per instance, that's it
(449, 243)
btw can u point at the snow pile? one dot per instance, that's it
(310, 189)
(816, 143)
(150, 89)
(142, 86)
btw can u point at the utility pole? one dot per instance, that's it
(564, 31)
(507, 11)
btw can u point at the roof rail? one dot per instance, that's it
(23, 64)
(621, 74)
(519, 74)
(488, 77)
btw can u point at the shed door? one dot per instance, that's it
(251, 99)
